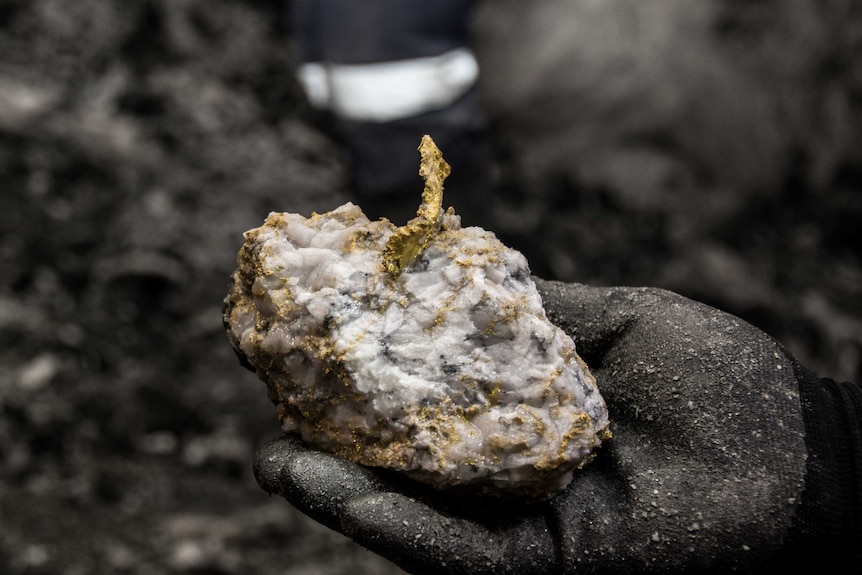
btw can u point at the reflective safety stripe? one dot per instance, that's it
(386, 91)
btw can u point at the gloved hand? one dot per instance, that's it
(705, 472)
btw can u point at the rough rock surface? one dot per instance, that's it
(423, 349)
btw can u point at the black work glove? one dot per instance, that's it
(717, 462)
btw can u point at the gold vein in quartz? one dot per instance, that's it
(409, 241)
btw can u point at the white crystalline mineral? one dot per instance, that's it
(423, 349)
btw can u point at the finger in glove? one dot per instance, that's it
(421, 539)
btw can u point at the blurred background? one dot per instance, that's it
(713, 148)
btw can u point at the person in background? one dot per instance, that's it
(384, 73)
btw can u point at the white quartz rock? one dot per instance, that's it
(448, 371)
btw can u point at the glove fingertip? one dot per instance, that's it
(271, 458)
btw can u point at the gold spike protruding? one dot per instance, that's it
(409, 241)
